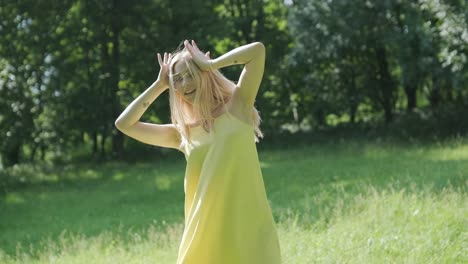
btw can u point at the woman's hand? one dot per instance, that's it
(203, 61)
(163, 76)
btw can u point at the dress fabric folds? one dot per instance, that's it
(228, 219)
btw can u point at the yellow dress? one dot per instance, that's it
(228, 219)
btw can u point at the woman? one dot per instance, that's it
(215, 124)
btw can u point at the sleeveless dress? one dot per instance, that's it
(228, 219)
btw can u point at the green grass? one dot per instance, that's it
(347, 202)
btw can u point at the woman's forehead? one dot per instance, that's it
(179, 66)
(180, 63)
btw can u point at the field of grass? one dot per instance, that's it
(346, 202)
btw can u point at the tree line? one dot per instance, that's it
(68, 68)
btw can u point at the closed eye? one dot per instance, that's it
(187, 93)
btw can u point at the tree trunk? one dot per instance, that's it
(353, 104)
(33, 152)
(103, 144)
(387, 86)
(117, 136)
(352, 113)
(12, 155)
(43, 152)
(320, 117)
(260, 21)
(95, 143)
(410, 90)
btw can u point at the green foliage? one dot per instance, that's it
(69, 68)
(364, 52)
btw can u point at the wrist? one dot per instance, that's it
(212, 65)
(159, 85)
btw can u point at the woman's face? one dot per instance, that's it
(183, 82)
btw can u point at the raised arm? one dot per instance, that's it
(164, 135)
(252, 55)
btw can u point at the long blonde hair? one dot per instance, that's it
(212, 90)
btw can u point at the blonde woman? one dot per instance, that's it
(228, 219)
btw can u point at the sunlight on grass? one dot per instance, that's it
(398, 225)
(456, 153)
(163, 182)
(401, 226)
(351, 202)
(118, 176)
(264, 164)
(14, 198)
(155, 245)
(375, 152)
(51, 178)
(42, 196)
(90, 174)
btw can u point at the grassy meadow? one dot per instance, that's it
(341, 202)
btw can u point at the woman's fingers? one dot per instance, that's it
(159, 59)
(187, 46)
(196, 47)
(198, 56)
(191, 47)
(195, 44)
(168, 58)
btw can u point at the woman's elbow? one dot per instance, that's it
(261, 48)
(118, 124)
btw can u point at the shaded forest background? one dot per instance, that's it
(69, 68)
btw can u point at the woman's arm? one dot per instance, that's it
(240, 55)
(137, 108)
(252, 55)
(165, 135)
